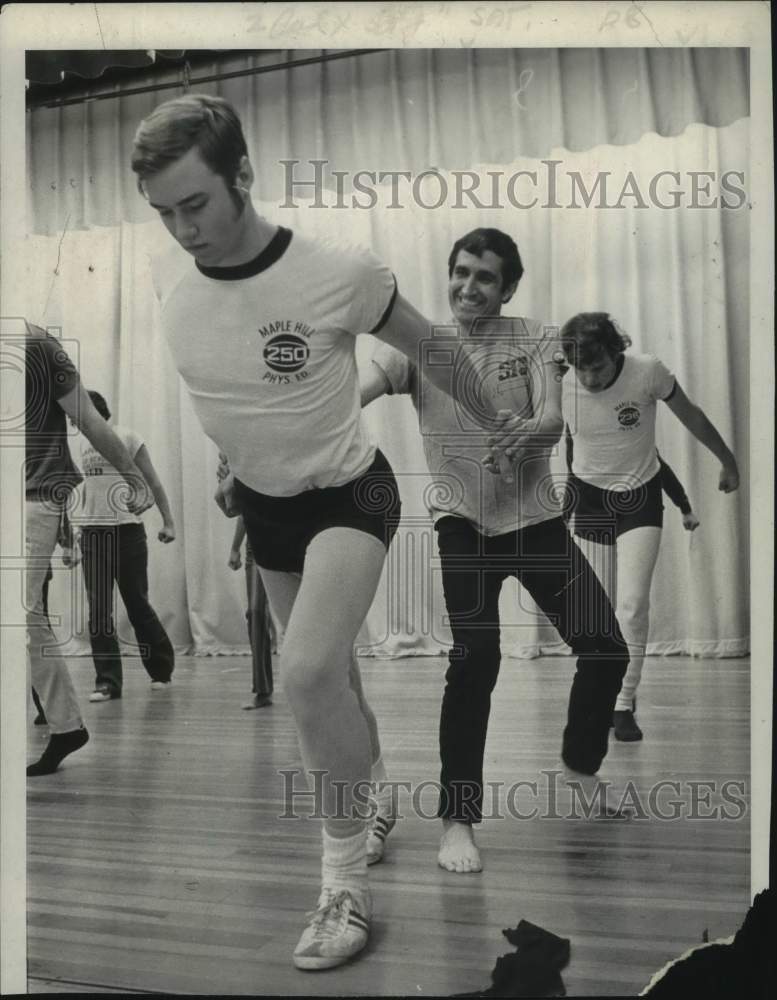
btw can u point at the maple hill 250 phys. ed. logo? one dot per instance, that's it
(286, 350)
(628, 414)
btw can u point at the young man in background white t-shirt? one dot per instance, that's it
(609, 403)
(115, 551)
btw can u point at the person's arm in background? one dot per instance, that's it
(407, 330)
(674, 489)
(143, 461)
(567, 502)
(696, 421)
(234, 561)
(81, 410)
(66, 540)
(373, 383)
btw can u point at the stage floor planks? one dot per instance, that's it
(157, 861)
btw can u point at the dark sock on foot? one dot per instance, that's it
(59, 746)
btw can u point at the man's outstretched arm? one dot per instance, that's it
(81, 410)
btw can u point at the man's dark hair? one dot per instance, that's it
(588, 336)
(196, 121)
(480, 240)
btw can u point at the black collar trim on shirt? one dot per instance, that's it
(388, 310)
(273, 252)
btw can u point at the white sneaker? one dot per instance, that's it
(160, 685)
(379, 829)
(336, 931)
(100, 694)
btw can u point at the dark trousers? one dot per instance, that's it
(553, 570)
(119, 554)
(259, 627)
(45, 600)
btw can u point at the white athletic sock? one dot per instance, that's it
(382, 793)
(378, 770)
(344, 862)
(631, 680)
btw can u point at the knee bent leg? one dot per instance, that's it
(309, 680)
(633, 617)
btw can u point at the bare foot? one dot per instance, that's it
(458, 850)
(607, 805)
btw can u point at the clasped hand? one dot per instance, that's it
(504, 443)
(138, 496)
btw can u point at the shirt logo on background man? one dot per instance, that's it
(92, 463)
(514, 368)
(629, 416)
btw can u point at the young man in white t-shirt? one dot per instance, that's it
(490, 528)
(115, 553)
(262, 326)
(609, 403)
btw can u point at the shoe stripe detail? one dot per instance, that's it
(381, 828)
(357, 920)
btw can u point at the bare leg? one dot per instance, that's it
(637, 555)
(282, 591)
(355, 680)
(342, 570)
(382, 795)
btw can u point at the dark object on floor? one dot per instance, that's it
(744, 968)
(534, 969)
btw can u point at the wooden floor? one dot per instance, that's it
(157, 861)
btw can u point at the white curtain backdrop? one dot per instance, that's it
(403, 109)
(675, 279)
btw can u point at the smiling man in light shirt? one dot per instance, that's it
(490, 527)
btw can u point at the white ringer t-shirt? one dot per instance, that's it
(614, 431)
(102, 481)
(267, 353)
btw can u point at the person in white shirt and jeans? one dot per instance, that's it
(115, 552)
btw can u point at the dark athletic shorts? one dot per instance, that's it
(280, 529)
(604, 515)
